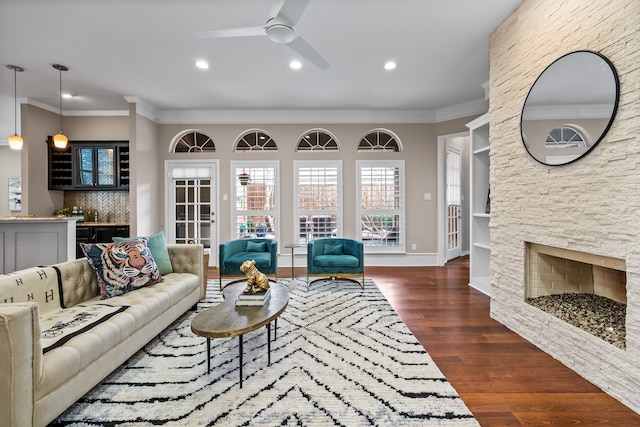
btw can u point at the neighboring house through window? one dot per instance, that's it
(318, 199)
(255, 210)
(381, 205)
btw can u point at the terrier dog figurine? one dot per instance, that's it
(256, 281)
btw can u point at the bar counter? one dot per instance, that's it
(30, 241)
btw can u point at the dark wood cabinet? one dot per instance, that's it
(89, 165)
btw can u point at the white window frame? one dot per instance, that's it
(236, 167)
(400, 164)
(297, 165)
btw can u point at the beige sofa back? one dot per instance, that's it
(78, 281)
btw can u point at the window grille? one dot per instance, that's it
(379, 140)
(194, 141)
(255, 140)
(565, 137)
(317, 140)
(255, 208)
(382, 204)
(318, 200)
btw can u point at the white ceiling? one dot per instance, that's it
(147, 49)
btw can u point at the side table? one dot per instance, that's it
(293, 247)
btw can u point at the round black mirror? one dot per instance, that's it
(570, 108)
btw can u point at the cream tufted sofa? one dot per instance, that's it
(41, 377)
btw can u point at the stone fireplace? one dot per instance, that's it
(585, 290)
(589, 207)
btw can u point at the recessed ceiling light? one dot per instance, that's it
(203, 65)
(295, 64)
(67, 95)
(390, 65)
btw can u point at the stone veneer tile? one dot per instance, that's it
(592, 205)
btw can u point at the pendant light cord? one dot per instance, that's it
(15, 101)
(60, 110)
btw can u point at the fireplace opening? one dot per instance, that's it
(585, 290)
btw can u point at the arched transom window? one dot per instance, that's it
(194, 141)
(317, 140)
(255, 140)
(565, 137)
(379, 140)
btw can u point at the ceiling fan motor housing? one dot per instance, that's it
(280, 32)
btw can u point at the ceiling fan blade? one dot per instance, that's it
(309, 53)
(232, 32)
(292, 10)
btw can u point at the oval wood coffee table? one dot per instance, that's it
(227, 320)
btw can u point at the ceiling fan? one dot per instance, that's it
(279, 29)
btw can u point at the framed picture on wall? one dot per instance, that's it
(15, 194)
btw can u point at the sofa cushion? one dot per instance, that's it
(256, 246)
(336, 261)
(61, 326)
(122, 266)
(263, 259)
(158, 247)
(146, 305)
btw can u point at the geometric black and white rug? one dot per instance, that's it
(342, 357)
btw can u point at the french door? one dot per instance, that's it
(190, 213)
(453, 198)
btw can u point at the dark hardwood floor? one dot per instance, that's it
(502, 378)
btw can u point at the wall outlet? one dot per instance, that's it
(414, 247)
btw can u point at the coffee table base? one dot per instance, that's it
(240, 349)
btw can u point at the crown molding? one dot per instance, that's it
(144, 108)
(459, 111)
(280, 116)
(73, 113)
(293, 116)
(568, 112)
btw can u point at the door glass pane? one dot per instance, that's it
(105, 166)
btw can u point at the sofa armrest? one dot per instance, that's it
(187, 258)
(20, 362)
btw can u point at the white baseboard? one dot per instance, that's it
(373, 260)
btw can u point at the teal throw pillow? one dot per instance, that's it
(333, 250)
(256, 246)
(158, 247)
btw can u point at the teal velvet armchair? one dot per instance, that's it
(233, 253)
(336, 257)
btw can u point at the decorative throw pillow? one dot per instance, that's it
(122, 266)
(158, 246)
(333, 250)
(256, 246)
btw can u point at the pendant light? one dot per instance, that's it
(15, 140)
(60, 140)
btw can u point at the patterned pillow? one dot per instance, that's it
(122, 266)
(158, 247)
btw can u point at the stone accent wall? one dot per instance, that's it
(592, 205)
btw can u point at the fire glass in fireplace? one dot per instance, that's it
(585, 290)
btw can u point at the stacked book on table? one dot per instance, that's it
(253, 299)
